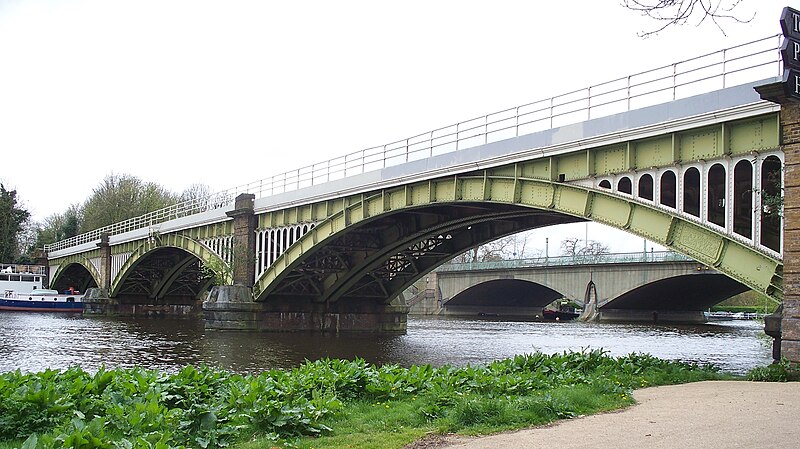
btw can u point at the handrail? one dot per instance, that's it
(476, 131)
(23, 269)
(578, 259)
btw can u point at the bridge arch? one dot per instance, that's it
(77, 274)
(687, 292)
(183, 252)
(504, 296)
(337, 256)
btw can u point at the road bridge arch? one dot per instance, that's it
(679, 290)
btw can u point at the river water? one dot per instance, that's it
(36, 341)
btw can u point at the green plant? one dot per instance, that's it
(781, 371)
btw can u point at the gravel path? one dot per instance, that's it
(716, 414)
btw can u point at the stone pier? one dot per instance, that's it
(789, 330)
(232, 307)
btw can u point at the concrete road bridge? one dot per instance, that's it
(643, 287)
(687, 155)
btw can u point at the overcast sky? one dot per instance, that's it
(223, 93)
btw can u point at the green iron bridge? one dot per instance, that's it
(687, 155)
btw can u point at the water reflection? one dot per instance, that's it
(33, 342)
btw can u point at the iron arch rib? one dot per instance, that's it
(372, 237)
(399, 265)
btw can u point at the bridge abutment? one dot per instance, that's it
(789, 330)
(232, 308)
(97, 301)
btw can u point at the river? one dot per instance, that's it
(37, 341)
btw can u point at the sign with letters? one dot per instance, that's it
(790, 23)
(791, 82)
(790, 51)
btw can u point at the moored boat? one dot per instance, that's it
(20, 290)
(41, 300)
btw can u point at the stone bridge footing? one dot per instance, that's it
(97, 302)
(232, 308)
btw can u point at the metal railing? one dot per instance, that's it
(560, 261)
(152, 219)
(752, 61)
(22, 269)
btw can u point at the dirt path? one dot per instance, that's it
(697, 415)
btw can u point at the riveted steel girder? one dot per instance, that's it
(496, 189)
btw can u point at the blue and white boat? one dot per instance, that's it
(20, 290)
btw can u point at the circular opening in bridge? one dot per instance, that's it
(605, 184)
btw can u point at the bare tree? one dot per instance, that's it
(680, 12)
(578, 247)
(509, 247)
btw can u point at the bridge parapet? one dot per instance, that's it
(587, 259)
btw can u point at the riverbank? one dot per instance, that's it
(321, 404)
(722, 414)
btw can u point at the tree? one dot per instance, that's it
(576, 247)
(509, 247)
(120, 197)
(680, 12)
(58, 227)
(12, 220)
(195, 192)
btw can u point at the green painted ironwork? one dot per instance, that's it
(759, 271)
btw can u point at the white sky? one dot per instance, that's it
(175, 91)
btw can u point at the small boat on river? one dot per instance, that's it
(20, 291)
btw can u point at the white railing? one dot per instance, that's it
(22, 269)
(182, 209)
(752, 61)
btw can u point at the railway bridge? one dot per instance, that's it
(687, 155)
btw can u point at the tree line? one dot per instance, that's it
(116, 198)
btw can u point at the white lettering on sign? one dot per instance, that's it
(796, 21)
(797, 84)
(796, 56)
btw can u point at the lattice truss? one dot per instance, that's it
(166, 272)
(377, 260)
